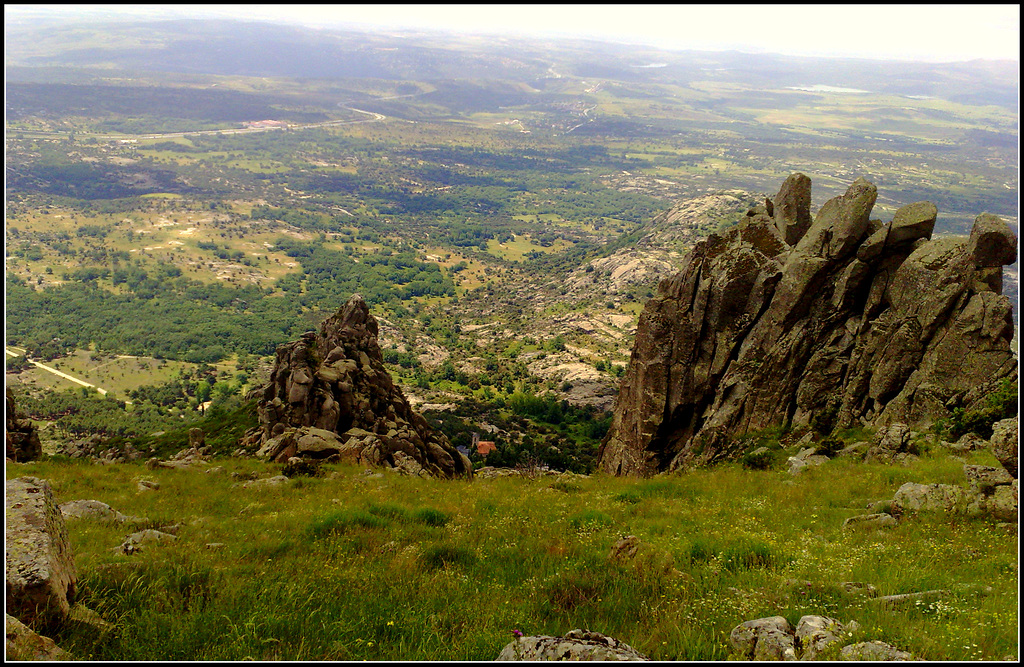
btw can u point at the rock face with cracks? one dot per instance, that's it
(329, 395)
(839, 321)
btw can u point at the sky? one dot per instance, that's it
(932, 33)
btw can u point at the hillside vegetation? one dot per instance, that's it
(358, 565)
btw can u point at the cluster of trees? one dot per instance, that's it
(83, 412)
(551, 432)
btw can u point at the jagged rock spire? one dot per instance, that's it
(850, 320)
(330, 394)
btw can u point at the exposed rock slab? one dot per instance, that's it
(329, 395)
(851, 322)
(575, 645)
(874, 651)
(41, 574)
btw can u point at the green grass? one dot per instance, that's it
(351, 567)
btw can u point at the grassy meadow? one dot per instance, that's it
(359, 565)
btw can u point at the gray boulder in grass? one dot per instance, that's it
(770, 638)
(575, 645)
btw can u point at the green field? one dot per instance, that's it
(398, 568)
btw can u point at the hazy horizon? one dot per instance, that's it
(943, 33)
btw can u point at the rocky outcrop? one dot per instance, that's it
(21, 437)
(575, 645)
(991, 492)
(329, 395)
(41, 574)
(773, 638)
(847, 322)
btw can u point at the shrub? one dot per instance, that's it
(430, 516)
(824, 421)
(701, 550)
(749, 555)
(590, 519)
(761, 458)
(343, 521)
(301, 468)
(439, 556)
(573, 589)
(566, 487)
(829, 446)
(1000, 404)
(388, 511)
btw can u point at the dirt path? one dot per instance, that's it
(50, 369)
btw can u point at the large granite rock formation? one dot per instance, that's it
(21, 437)
(329, 394)
(836, 322)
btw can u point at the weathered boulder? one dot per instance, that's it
(94, 509)
(913, 497)
(850, 323)
(20, 436)
(1005, 443)
(770, 638)
(1002, 504)
(575, 645)
(23, 643)
(797, 464)
(873, 650)
(859, 588)
(985, 479)
(41, 574)
(264, 483)
(916, 597)
(968, 442)
(135, 542)
(889, 442)
(815, 634)
(870, 522)
(149, 485)
(329, 395)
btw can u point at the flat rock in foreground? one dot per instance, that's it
(41, 575)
